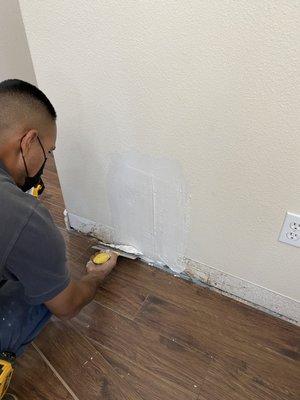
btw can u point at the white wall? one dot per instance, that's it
(201, 94)
(15, 61)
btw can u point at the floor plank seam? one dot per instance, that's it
(126, 359)
(162, 295)
(141, 307)
(106, 363)
(204, 378)
(181, 343)
(74, 235)
(114, 311)
(209, 355)
(53, 203)
(58, 376)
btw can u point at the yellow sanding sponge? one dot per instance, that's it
(100, 258)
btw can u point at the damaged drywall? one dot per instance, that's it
(149, 208)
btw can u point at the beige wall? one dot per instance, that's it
(201, 94)
(15, 61)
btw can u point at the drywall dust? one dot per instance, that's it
(149, 206)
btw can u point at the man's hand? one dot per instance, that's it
(101, 271)
(70, 301)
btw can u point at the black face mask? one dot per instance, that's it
(36, 180)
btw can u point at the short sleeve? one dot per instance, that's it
(38, 258)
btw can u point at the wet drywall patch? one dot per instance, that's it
(149, 206)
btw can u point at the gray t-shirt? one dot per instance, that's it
(32, 249)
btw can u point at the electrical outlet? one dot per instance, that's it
(295, 226)
(290, 231)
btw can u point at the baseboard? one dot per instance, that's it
(252, 294)
(247, 292)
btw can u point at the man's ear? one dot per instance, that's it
(28, 140)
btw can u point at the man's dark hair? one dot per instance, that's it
(19, 88)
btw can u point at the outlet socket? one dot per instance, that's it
(290, 231)
(295, 226)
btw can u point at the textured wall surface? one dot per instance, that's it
(15, 61)
(212, 86)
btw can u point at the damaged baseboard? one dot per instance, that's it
(247, 292)
(239, 289)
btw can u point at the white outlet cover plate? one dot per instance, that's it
(290, 231)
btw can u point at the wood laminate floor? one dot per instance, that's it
(149, 335)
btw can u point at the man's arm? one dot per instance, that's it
(76, 295)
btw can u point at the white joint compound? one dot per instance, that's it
(149, 206)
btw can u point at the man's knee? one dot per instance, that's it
(20, 322)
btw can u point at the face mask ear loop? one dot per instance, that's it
(23, 155)
(42, 148)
